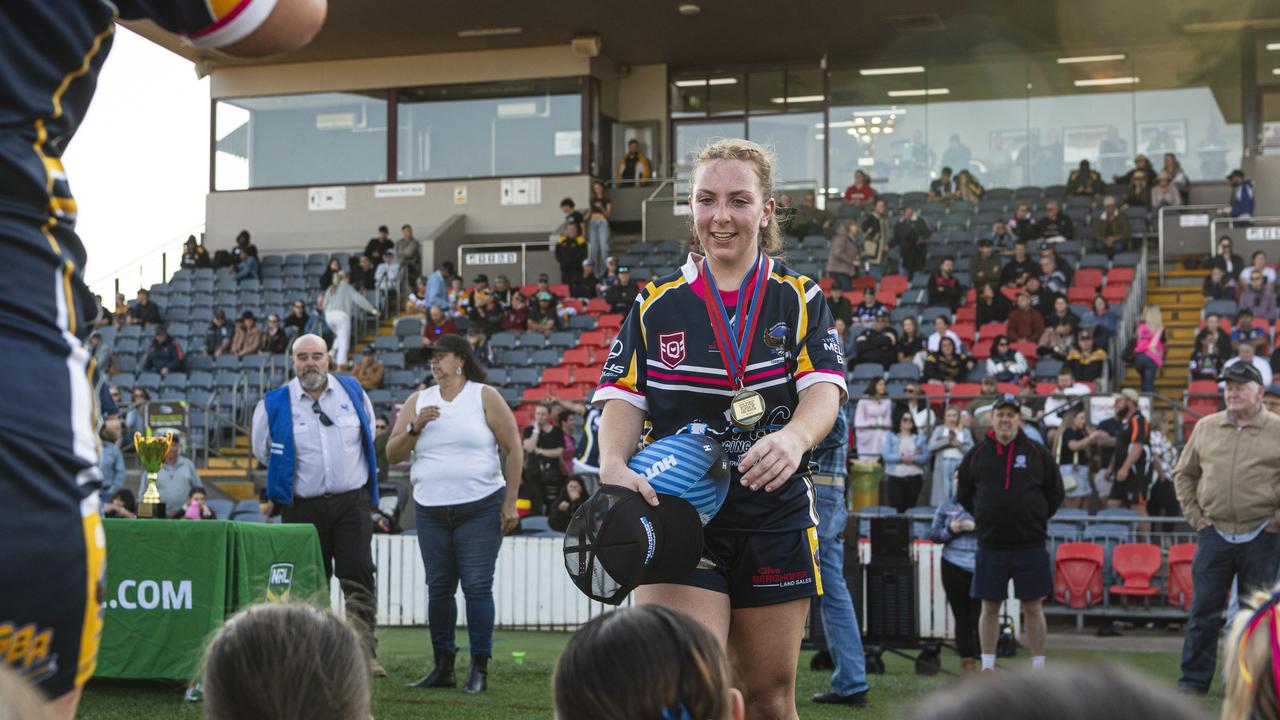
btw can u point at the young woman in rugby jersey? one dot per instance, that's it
(683, 364)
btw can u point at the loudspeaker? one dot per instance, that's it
(891, 601)
(890, 538)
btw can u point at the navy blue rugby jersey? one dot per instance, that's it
(665, 362)
(50, 57)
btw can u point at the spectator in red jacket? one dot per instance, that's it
(437, 324)
(1025, 322)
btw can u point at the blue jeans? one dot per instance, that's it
(1216, 563)
(844, 281)
(461, 543)
(1147, 368)
(598, 243)
(839, 622)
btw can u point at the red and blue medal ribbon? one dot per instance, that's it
(735, 347)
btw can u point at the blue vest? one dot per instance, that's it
(281, 464)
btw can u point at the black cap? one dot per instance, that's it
(1007, 400)
(543, 277)
(1236, 173)
(161, 329)
(247, 315)
(449, 343)
(616, 541)
(481, 278)
(984, 241)
(1242, 372)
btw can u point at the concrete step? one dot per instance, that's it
(231, 463)
(235, 489)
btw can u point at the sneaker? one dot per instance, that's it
(832, 698)
(376, 669)
(1187, 688)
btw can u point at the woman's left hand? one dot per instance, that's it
(510, 518)
(772, 460)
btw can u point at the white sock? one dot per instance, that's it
(989, 661)
(1037, 662)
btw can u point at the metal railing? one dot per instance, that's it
(1180, 210)
(658, 196)
(1256, 221)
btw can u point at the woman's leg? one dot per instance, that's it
(436, 543)
(706, 606)
(955, 582)
(1147, 368)
(479, 538)
(765, 649)
(340, 323)
(913, 486)
(896, 493)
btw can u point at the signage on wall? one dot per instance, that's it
(327, 198)
(1262, 233)
(398, 190)
(1195, 220)
(491, 258)
(459, 194)
(522, 191)
(568, 142)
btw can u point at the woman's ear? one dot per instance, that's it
(737, 705)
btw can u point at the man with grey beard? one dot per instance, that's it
(315, 435)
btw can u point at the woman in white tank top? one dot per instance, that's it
(466, 472)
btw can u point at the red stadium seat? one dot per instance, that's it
(585, 381)
(1136, 564)
(1011, 293)
(1115, 294)
(1080, 295)
(1010, 388)
(970, 297)
(595, 338)
(896, 284)
(1203, 388)
(597, 306)
(982, 348)
(529, 290)
(864, 282)
(610, 322)
(966, 392)
(1077, 577)
(1028, 350)
(560, 290)
(580, 355)
(826, 283)
(854, 296)
(573, 393)
(535, 394)
(1087, 278)
(1042, 388)
(523, 417)
(967, 314)
(888, 298)
(1179, 586)
(1120, 275)
(965, 332)
(992, 329)
(560, 376)
(935, 391)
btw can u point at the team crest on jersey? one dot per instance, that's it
(672, 349)
(775, 338)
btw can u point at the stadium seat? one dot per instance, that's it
(895, 284)
(545, 358)
(1071, 514)
(221, 507)
(1115, 294)
(1179, 587)
(864, 373)
(408, 326)
(1223, 308)
(578, 356)
(963, 393)
(1077, 577)
(526, 376)
(982, 348)
(392, 360)
(1122, 275)
(564, 339)
(904, 371)
(1080, 295)
(992, 329)
(1135, 564)
(535, 394)
(582, 321)
(595, 338)
(560, 376)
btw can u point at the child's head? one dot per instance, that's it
(644, 663)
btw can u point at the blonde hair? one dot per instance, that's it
(1250, 692)
(1152, 317)
(761, 158)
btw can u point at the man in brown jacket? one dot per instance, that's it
(248, 337)
(368, 372)
(1228, 483)
(1025, 322)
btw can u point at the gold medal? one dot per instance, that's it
(746, 409)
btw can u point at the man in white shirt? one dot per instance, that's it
(1065, 394)
(315, 436)
(1245, 354)
(941, 329)
(1259, 264)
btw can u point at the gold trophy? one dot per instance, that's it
(151, 452)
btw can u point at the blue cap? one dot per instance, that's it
(689, 466)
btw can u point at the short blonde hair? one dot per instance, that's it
(1251, 686)
(761, 158)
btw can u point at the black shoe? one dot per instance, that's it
(442, 676)
(478, 681)
(1187, 688)
(832, 698)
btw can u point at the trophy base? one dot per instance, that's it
(151, 511)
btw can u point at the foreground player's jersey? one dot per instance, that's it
(665, 361)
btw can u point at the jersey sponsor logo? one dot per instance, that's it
(774, 577)
(615, 349)
(672, 349)
(279, 582)
(831, 343)
(650, 538)
(614, 369)
(25, 648)
(152, 595)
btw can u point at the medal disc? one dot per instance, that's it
(746, 409)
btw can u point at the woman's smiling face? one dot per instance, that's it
(728, 209)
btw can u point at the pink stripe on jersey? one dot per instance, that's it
(224, 21)
(694, 379)
(768, 373)
(824, 371)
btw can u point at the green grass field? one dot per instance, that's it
(522, 691)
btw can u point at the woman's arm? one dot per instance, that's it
(922, 450)
(401, 442)
(621, 424)
(938, 530)
(939, 439)
(502, 422)
(774, 458)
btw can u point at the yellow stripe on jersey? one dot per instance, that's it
(655, 292)
(629, 380)
(95, 563)
(803, 363)
(812, 533)
(221, 8)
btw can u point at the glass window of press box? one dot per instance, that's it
(312, 139)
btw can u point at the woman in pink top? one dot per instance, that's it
(1148, 349)
(871, 421)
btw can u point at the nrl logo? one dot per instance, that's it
(279, 581)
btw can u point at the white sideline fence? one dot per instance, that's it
(532, 590)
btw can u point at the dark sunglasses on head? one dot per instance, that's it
(325, 420)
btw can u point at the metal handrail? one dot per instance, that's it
(654, 197)
(1160, 229)
(1255, 220)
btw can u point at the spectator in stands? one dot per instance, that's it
(1228, 485)
(860, 192)
(968, 188)
(295, 321)
(1231, 264)
(122, 309)
(1012, 502)
(1257, 263)
(1057, 341)
(1247, 355)
(316, 324)
(503, 290)
(409, 250)
(1177, 177)
(1148, 350)
(843, 257)
(910, 236)
(124, 505)
(111, 465)
(1085, 181)
(622, 295)
(1064, 398)
(868, 310)
(542, 316)
(571, 216)
(286, 660)
(543, 466)
(944, 289)
(1218, 286)
(601, 209)
(1252, 690)
(1087, 360)
(876, 234)
(585, 286)
(571, 250)
(143, 311)
(992, 306)
(847, 344)
(340, 301)
(1025, 322)
(247, 266)
(914, 402)
(910, 345)
(386, 277)
(248, 337)
(1258, 297)
(610, 277)
(571, 497)
(948, 443)
(437, 291)
(957, 153)
(1111, 229)
(871, 421)
(134, 416)
(544, 285)
(663, 682)
(1102, 319)
(488, 319)
(516, 318)
(1072, 449)
(460, 300)
(906, 453)
(1051, 278)
(841, 308)
(1130, 462)
(164, 354)
(985, 269)
(1056, 225)
(368, 372)
(1246, 333)
(1041, 298)
(1006, 364)
(1212, 326)
(1162, 497)
(1141, 166)
(480, 347)
(1022, 225)
(362, 275)
(194, 255)
(941, 329)
(953, 527)
(809, 219)
(1241, 196)
(949, 364)
(1165, 192)
(634, 167)
(1020, 267)
(176, 479)
(332, 268)
(275, 341)
(1061, 264)
(437, 324)
(877, 344)
(979, 409)
(217, 338)
(194, 508)
(378, 246)
(1207, 358)
(944, 188)
(1271, 397)
(1060, 311)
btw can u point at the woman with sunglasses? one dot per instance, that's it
(906, 453)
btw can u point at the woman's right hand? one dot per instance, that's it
(620, 474)
(426, 415)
